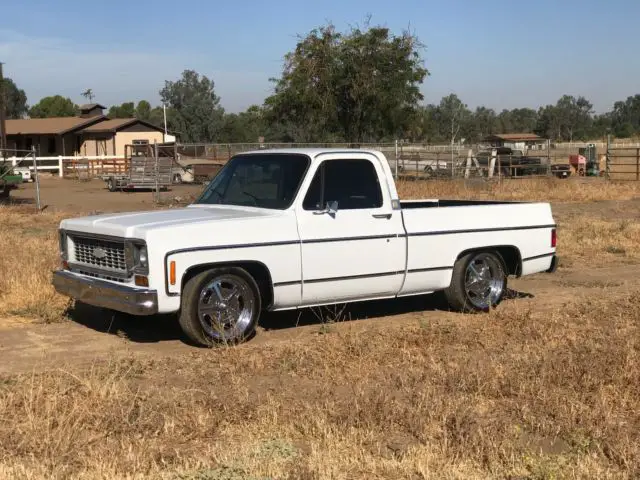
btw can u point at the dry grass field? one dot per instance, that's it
(540, 388)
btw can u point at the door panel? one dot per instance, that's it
(358, 251)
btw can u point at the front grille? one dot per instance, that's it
(99, 253)
(102, 276)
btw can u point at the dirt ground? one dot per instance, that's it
(81, 196)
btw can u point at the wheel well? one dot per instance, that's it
(509, 255)
(257, 270)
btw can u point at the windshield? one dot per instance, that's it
(257, 180)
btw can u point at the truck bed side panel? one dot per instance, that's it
(437, 236)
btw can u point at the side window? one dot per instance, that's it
(352, 183)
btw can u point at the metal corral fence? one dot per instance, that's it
(623, 163)
(410, 159)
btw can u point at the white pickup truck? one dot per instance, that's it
(292, 228)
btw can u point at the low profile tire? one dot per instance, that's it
(220, 306)
(478, 283)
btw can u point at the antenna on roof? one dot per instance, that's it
(88, 94)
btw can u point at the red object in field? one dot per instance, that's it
(554, 238)
(577, 160)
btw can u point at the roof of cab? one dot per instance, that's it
(311, 152)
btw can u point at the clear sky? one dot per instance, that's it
(498, 53)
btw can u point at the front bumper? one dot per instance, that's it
(100, 293)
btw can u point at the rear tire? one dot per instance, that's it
(220, 306)
(478, 282)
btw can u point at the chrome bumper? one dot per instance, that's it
(101, 293)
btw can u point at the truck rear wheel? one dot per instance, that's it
(221, 305)
(478, 283)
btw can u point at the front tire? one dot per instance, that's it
(478, 283)
(219, 306)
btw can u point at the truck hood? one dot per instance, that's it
(138, 224)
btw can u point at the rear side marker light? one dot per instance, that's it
(554, 238)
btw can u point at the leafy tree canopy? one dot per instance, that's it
(194, 109)
(15, 99)
(359, 86)
(53, 106)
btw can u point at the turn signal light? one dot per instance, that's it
(172, 272)
(554, 238)
(141, 281)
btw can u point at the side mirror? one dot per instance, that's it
(331, 208)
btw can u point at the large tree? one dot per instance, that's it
(625, 117)
(125, 110)
(194, 109)
(569, 119)
(54, 106)
(15, 99)
(362, 85)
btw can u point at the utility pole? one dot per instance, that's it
(3, 123)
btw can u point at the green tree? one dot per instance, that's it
(143, 110)
(361, 85)
(484, 122)
(194, 108)
(53, 106)
(125, 110)
(15, 99)
(569, 119)
(454, 119)
(243, 127)
(625, 117)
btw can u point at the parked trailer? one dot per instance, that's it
(145, 170)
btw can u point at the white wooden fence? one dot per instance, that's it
(59, 163)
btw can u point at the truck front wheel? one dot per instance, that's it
(221, 305)
(478, 283)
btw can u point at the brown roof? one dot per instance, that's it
(516, 136)
(115, 124)
(91, 106)
(48, 126)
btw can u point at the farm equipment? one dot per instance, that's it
(8, 180)
(147, 169)
(586, 162)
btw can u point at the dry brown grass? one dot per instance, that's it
(504, 395)
(29, 254)
(534, 189)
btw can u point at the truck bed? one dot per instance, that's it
(439, 230)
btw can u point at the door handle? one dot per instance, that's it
(381, 215)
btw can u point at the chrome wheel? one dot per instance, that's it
(226, 307)
(484, 281)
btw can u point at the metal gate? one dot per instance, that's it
(623, 163)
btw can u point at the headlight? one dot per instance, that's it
(143, 260)
(138, 258)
